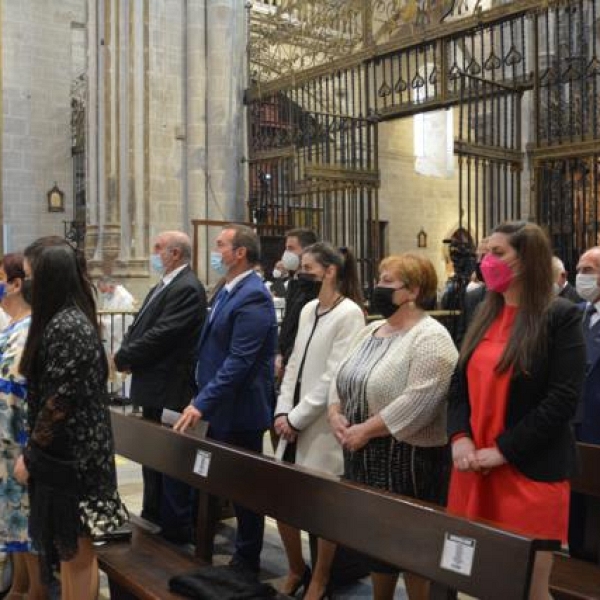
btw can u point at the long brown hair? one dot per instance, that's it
(529, 334)
(343, 259)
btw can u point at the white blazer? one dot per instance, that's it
(316, 446)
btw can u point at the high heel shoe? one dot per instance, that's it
(326, 593)
(302, 583)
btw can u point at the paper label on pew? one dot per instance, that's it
(458, 554)
(202, 463)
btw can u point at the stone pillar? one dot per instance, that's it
(1, 135)
(226, 79)
(91, 139)
(195, 118)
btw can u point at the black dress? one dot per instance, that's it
(70, 455)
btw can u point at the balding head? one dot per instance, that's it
(174, 248)
(588, 275)
(559, 274)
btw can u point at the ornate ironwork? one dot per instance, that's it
(292, 36)
(314, 128)
(567, 117)
(76, 232)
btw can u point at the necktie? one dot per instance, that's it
(219, 301)
(155, 292)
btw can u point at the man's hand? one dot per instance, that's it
(21, 473)
(279, 368)
(191, 415)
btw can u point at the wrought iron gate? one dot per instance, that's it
(314, 132)
(313, 163)
(567, 116)
(490, 160)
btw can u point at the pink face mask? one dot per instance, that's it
(496, 273)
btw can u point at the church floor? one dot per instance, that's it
(273, 560)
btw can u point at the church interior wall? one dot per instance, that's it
(37, 69)
(409, 201)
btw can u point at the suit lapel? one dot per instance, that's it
(224, 303)
(142, 312)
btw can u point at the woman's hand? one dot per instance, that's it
(489, 458)
(282, 427)
(338, 423)
(21, 473)
(355, 437)
(464, 455)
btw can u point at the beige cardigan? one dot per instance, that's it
(408, 387)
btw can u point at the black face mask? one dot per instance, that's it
(478, 272)
(381, 301)
(26, 291)
(309, 284)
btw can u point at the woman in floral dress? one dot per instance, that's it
(15, 295)
(69, 458)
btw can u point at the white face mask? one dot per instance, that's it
(277, 274)
(290, 260)
(555, 289)
(587, 287)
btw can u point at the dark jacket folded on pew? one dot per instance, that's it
(221, 583)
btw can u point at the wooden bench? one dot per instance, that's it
(574, 579)
(410, 534)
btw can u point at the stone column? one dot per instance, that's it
(1, 135)
(226, 79)
(195, 120)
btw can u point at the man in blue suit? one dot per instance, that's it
(584, 542)
(235, 369)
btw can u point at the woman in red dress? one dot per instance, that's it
(516, 387)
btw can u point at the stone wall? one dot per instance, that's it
(38, 60)
(409, 201)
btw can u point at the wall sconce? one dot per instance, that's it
(56, 199)
(422, 239)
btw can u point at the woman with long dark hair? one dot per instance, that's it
(69, 458)
(326, 326)
(519, 377)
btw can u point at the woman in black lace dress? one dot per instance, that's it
(69, 459)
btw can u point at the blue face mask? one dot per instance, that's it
(157, 264)
(2, 289)
(217, 264)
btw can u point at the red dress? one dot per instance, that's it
(504, 495)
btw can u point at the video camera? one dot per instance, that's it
(463, 258)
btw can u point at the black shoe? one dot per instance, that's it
(179, 536)
(302, 583)
(240, 564)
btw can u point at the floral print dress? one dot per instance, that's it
(14, 500)
(70, 455)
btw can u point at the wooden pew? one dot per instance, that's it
(574, 579)
(410, 534)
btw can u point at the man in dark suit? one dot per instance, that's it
(297, 295)
(158, 350)
(584, 540)
(561, 284)
(234, 372)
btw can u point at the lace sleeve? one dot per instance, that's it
(69, 352)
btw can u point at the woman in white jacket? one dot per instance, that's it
(326, 326)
